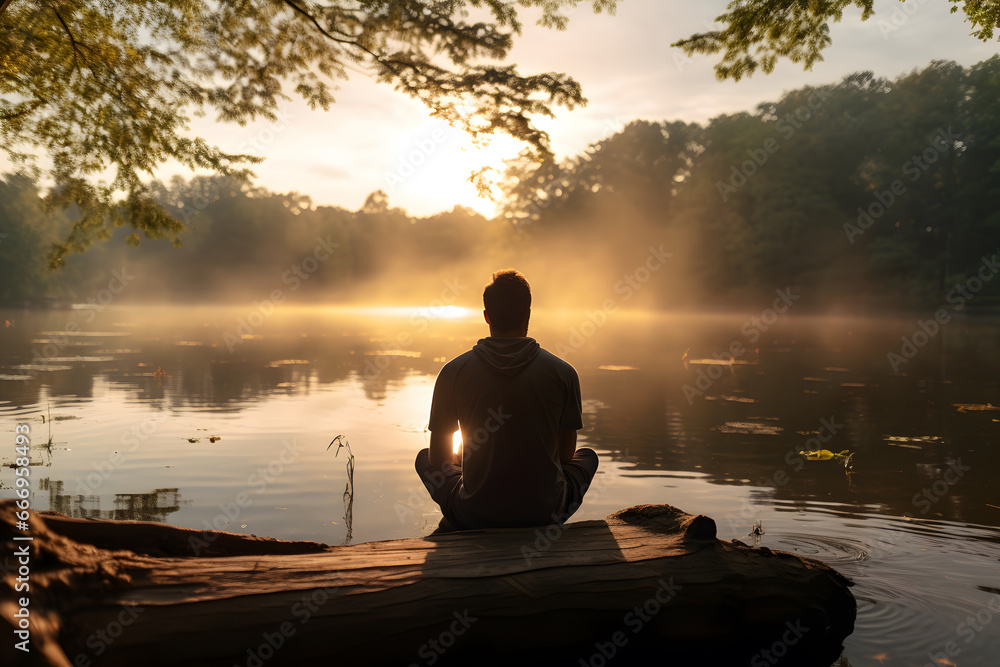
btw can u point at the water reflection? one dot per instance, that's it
(342, 443)
(156, 505)
(187, 364)
(814, 383)
(907, 518)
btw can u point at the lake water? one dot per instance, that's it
(222, 417)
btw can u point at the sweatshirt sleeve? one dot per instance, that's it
(443, 416)
(572, 415)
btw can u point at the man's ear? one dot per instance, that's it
(486, 316)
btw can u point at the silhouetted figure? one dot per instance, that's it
(519, 408)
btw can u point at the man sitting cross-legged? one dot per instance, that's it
(518, 407)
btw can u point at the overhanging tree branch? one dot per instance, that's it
(149, 64)
(755, 34)
(322, 30)
(72, 40)
(312, 19)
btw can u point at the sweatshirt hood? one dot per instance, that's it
(506, 356)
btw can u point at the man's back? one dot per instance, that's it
(519, 410)
(512, 399)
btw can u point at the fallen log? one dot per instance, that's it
(649, 584)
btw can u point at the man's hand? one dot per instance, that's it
(442, 447)
(567, 445)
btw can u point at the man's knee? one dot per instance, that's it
(423, 460)
(588, 459)
(432, 479)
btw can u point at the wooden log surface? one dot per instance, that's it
(647, 585)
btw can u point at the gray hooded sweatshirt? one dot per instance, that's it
(511, 399)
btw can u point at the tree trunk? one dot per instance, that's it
(649, 583)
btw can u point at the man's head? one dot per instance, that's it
(507, 299)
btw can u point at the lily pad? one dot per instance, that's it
(825, 454)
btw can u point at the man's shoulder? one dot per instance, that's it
(554, 361)
(461, 359)
(456, 363)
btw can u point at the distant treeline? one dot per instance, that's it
(871, 192)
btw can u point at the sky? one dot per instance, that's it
(377, 138)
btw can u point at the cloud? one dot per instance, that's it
(328, 171)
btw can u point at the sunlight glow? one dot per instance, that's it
(456, 441)
(431, 171)
(428, 312)
(448, 312)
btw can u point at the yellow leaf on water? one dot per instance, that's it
(975, 407)
(825, 454)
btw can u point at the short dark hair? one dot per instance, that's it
(507, 299)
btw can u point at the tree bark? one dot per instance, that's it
(649, 583)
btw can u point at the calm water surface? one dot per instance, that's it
(219, 417)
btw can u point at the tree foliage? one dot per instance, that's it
(104, 90)
(867, 189)
(757, 33)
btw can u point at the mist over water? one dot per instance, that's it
(178, 414)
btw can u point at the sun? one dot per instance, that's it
(433, 174)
